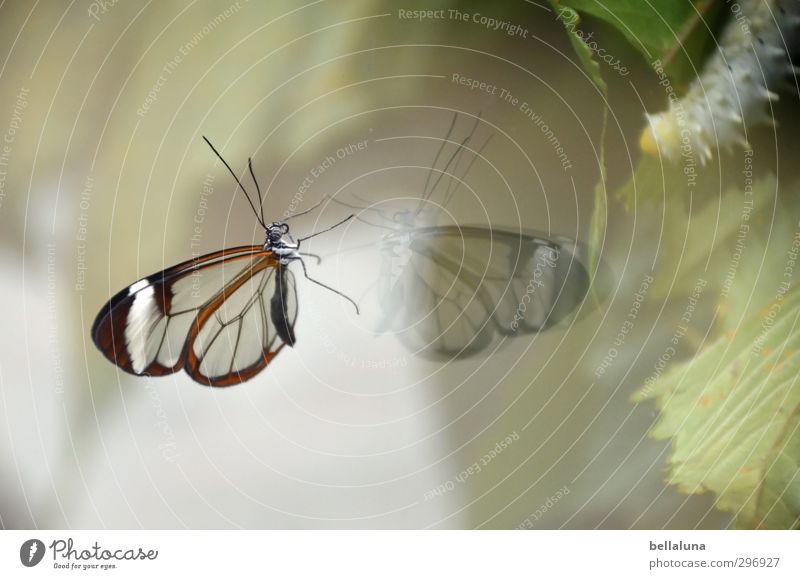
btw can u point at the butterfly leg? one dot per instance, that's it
(309, 210)
(327, 287)
(342, 222)
(383, 214)
(314, 255)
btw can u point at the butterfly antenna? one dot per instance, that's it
(425, 192)
(455, 157)
(224, 162)
(258, 189)
(456, 160)
(457, 181)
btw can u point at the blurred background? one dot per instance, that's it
(106, 179)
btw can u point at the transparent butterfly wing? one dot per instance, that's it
(151, 327)
(451, 291)
(238, 333)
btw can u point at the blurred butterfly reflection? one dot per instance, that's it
(451, 291)
(463, 287)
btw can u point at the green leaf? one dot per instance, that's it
(679, 33)
(732, 414)
(683, 61)
(571, 21)
(599, 221)
(653, 27)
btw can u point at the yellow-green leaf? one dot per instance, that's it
(732, 415)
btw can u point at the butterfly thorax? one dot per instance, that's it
(280, 243)
(406, 222)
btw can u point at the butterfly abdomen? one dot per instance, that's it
(279, 308)
(751, 64)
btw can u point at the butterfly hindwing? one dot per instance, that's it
(238, 333)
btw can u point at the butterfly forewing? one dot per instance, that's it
(211, 315)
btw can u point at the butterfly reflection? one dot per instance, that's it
(463, 287)
(452, 291)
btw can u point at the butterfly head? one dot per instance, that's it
(274, 233)
(405, 218)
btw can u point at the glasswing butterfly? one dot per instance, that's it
(449, 291)
(221, 317)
